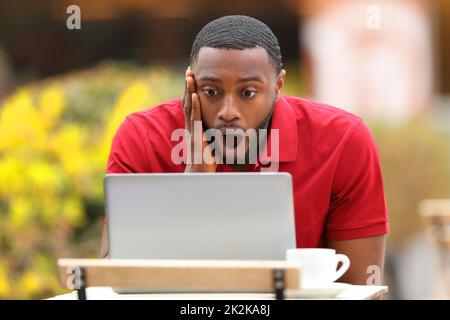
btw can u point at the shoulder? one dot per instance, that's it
(327, 129)
(321, 115)
(144, 137)
(324, 123)
(164, 117)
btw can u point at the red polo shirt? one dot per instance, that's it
(330, 153)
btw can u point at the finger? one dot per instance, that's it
(185, 91)
(191, 85)
(196, 127)
(196, 114)
(190, 74)
(190, 90)
(187, 104)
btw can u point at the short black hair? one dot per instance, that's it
(238, 32)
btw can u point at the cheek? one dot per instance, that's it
(208, 113)
(258, 113)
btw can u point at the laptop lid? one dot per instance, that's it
(200, 216)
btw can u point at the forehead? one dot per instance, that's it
(254, 61)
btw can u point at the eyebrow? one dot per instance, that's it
(245, 79)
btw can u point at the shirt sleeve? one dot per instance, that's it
(128, 150)
(357, 207)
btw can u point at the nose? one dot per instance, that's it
(229, 112)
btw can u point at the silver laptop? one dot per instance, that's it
(232, 216)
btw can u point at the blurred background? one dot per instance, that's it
(64, 91)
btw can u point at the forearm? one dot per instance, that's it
(104, 250)
(366, 259)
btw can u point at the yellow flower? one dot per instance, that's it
(20, 211)
(73, 211)
(30, 283)
(21, 123)
(51, 104)
(50, 210)
(5, 287)
(70, 146)
(11, 179)
(44, 177)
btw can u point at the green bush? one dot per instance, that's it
(55, 137)
(415, 159)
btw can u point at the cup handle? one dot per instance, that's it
(345, 265)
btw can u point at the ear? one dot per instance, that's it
(279, 82)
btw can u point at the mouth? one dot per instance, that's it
(231, 130)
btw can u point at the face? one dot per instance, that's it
(237, 88)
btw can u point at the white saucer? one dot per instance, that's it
(330, 291)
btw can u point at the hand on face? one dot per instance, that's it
(199, 159)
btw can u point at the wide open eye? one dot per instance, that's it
(210, 92)
(248, 93)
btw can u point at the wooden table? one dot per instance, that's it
(197, 280)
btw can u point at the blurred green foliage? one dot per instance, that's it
(55, 137)
(415, 160)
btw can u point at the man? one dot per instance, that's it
(234, 82)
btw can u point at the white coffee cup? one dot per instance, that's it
(318, 266)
